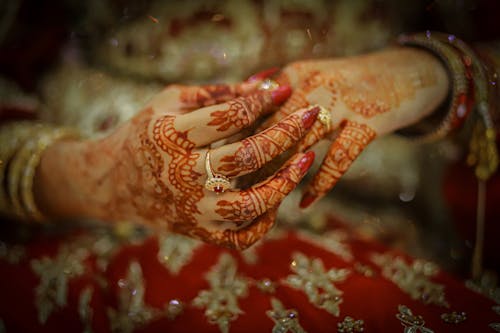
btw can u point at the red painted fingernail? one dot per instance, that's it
(310, 116)
(306, 161)
(307, 200)
(281, 94)
(263, 74)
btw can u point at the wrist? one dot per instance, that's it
(70, 180)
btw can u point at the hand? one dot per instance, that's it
(367, 96)
(152, 169)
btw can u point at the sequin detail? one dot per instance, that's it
(412, 323)
(285, 320)
(310, 277)
(175, 251)
(350, 325)
(221, 300)
(55, 274)
(414, 279)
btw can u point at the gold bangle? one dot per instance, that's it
(457, 109)
(26, 185)
(22, 167)
(12, 136)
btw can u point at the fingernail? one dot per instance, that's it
(263, 74)
(307, 200)
(281, 94)
(310, 116)
(306, 161)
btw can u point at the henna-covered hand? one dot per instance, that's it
(152, 169)
(367, 96)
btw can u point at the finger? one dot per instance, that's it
(296, 101)
(194, 97)
(350, 142)
(216, 122)
(251, 153)
(243, 238)
(246, 205)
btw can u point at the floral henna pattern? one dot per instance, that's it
(181, 174)
(208, 95)
(242, 112)
(255, 151)
(352, 139)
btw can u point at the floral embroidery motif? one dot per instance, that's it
(85, 310)
(413, 279)
(318, 284)
(412, 323)
(176, 251)
(495, 326)
(332, 241)
(487, 285)
(132, 312)
(12, 254)
(284, 320)
(454, 317)
(349, 325)
(221, 300)
(55, 273)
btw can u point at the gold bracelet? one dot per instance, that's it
(12, 137)
(23, 165)
(458, 108)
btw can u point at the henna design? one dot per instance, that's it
(241, 113)
(257, 150)
(208, 95)
(251, 203)
(351, 141)
(245, 237)
(181, 174)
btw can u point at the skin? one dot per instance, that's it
(367, 96)
(152, 169)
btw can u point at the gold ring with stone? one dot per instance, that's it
(325, 117)
(268, 84)
(215, 182)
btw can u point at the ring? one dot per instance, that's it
(325, 117)
(268, 84)
(215, 182)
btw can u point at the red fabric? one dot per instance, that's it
(373, 299)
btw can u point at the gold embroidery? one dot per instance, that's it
(55, 273)
(495, 326)
(412, 323)
(85, 310)
(332, 241)
(487, 285)
(310, 277)
(12, 254)
(454, 317)
(175, 251)
(132, 311)
(284, 320)
(413, 279)
(365, 270)
(349, 325)
(221, 301)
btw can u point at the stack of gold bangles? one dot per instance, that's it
(22, 146)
